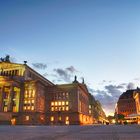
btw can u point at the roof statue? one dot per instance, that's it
(75, 79)
(83, 82)
(5, 59)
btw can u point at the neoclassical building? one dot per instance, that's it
(22, 94)
(26, 97)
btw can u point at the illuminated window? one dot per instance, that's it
(27, 118)
(24, 108)
(41, 117)
(67, 120)
(63, 103)
(59, 118)
(5, 109)
(55, 108)
(63, 108)
(59, 108)
(28, 107)
(67, 108)
(33, 101)
(29, 101)
(33, 93)
(89, 111)
(90, 106)
(67, 103)
(25, 101)
(52, 118)
(26, 95)
(56, 103)
(52, 108)
(67, 94)
(52, 103)
(14, 109)
(30, 93)
(32, 108)
(59, 103)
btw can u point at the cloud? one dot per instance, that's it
(113, 89)
(41, 66)
(71, 69)
(65, 74)
(109, 95)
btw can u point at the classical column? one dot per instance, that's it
(10, 104)
(2, 99)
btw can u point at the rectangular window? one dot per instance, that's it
(67, 108)
(52, 118)
(67, 103)
(27, 118)
(52, 103)
(5, 108)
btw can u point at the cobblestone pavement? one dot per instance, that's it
(92, 132)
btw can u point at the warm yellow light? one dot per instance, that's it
(52, 118)
(67, 108)
(27, 118)
(63, 108)
(113, 121)
(32, 108)
(52, 103)
(67, 118)
(33, 101)
(25, 101)
(59, 103)
(25, 108)
(52, 108)
(67, 103)
(63, 103)
(56, 103)
(59, 118)
(33, 94)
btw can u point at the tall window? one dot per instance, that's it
(29, 100)
(16, 97)
(6, 98)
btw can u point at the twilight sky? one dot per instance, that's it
(95, 39)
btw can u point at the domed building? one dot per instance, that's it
(128, 105)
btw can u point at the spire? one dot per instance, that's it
(75, 79)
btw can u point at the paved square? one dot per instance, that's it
(92, 132)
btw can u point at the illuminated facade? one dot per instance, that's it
(22, 94)
(26, 97)
(69, 104)
(129, 106)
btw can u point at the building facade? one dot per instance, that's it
(128, 105)
(26, 97)
(22, 94)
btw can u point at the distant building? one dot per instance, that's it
(26, 97)
(129, 105)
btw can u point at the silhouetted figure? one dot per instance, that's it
(5, 59)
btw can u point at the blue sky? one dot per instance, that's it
(98, 39)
